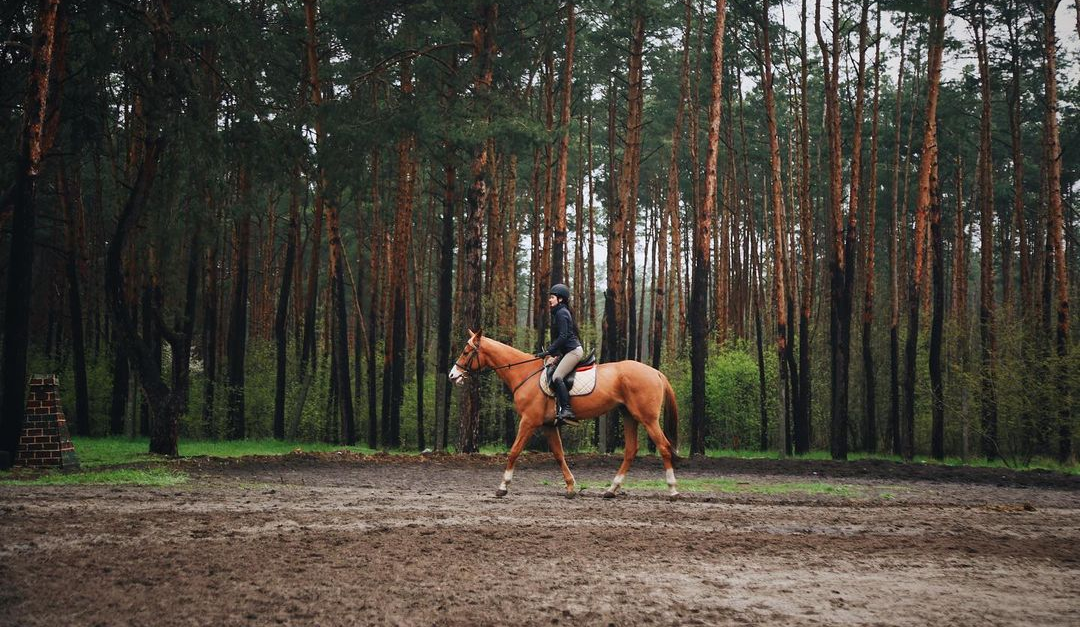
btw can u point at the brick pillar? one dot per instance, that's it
(45, 440)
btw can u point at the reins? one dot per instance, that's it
(476, 353)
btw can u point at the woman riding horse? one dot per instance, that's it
(644, 392)
(565, 348)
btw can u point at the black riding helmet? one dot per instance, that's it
(560, 291)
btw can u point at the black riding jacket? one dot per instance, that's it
(563, 330)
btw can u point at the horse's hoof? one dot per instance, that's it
(500, 493)
(674, 496)
(608, 494)
(571, 494)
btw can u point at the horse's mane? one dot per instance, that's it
(503, 344)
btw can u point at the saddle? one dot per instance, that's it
(579, 382)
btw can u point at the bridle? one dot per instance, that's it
(472, 356)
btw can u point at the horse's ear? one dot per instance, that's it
(471, 333)
(479, 333)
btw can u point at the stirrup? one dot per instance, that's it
(566, 417)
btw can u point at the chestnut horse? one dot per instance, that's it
(640, 389)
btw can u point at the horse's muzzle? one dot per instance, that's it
(457, 375)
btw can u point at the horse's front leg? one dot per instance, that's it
(524, 432)
(555, 442)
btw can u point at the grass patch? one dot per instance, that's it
(737, 487)
(115, 451)
(149, 477)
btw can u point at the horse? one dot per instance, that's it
(642, 390)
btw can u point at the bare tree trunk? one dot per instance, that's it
(1015, 117)
(22, 199)
(282, 313)
(75, 265)
(558, 249)
(840, 318)
(375, 311)
(238, 321)
(592, 235)
(926, 173)
(699, 324)
(870, 431)
(937, 390)
(806, 219)
(894, 260)
(1055, 209)
(628, 185)
(165, 403)
(476, 197)
(779, 256)
(985, 197)
(446, 310)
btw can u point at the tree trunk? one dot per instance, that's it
(446, 310)
(894, 259)
(870, 433)
(476, 198)
(307, 351)
(628, 185)
(937, 391)
(840, 318)
(75, 265)
(341, 327)
(446, 272)
(1055, 210)
(237, 341)
(985, 197)
(121, 376)
(210, 339)
(926, 173)
(777, 202)
(282, 313)
(164, 403)
(22, 199)
(806, 214)
(699, 324)
(558, 249)
(1015, 117)
(663, 300)
(374, 313)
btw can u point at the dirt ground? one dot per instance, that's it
(347, 540)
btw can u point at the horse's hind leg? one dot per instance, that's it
(630, 438)
(664, 446)
(555, 442)
(524, 432)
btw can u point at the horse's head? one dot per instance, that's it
(470, 360)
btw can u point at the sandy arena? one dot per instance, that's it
(349, 540)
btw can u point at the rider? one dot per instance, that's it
(565, 347)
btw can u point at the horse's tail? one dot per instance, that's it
(671, 416)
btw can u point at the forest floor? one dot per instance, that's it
(346, 539)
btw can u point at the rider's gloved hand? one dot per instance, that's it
(541, 354)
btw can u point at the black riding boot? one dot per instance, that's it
(563, 413)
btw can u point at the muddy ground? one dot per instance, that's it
(348, 540)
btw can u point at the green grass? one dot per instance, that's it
(115, 451)
(741, 487)
(126, 476)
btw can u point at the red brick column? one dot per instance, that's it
(45, 439)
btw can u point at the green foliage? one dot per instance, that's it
(733, 486)
(115, 451)
(159, 477)
(732, 397)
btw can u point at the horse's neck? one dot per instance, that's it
(499, 354)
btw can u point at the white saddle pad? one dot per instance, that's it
(584, 382)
